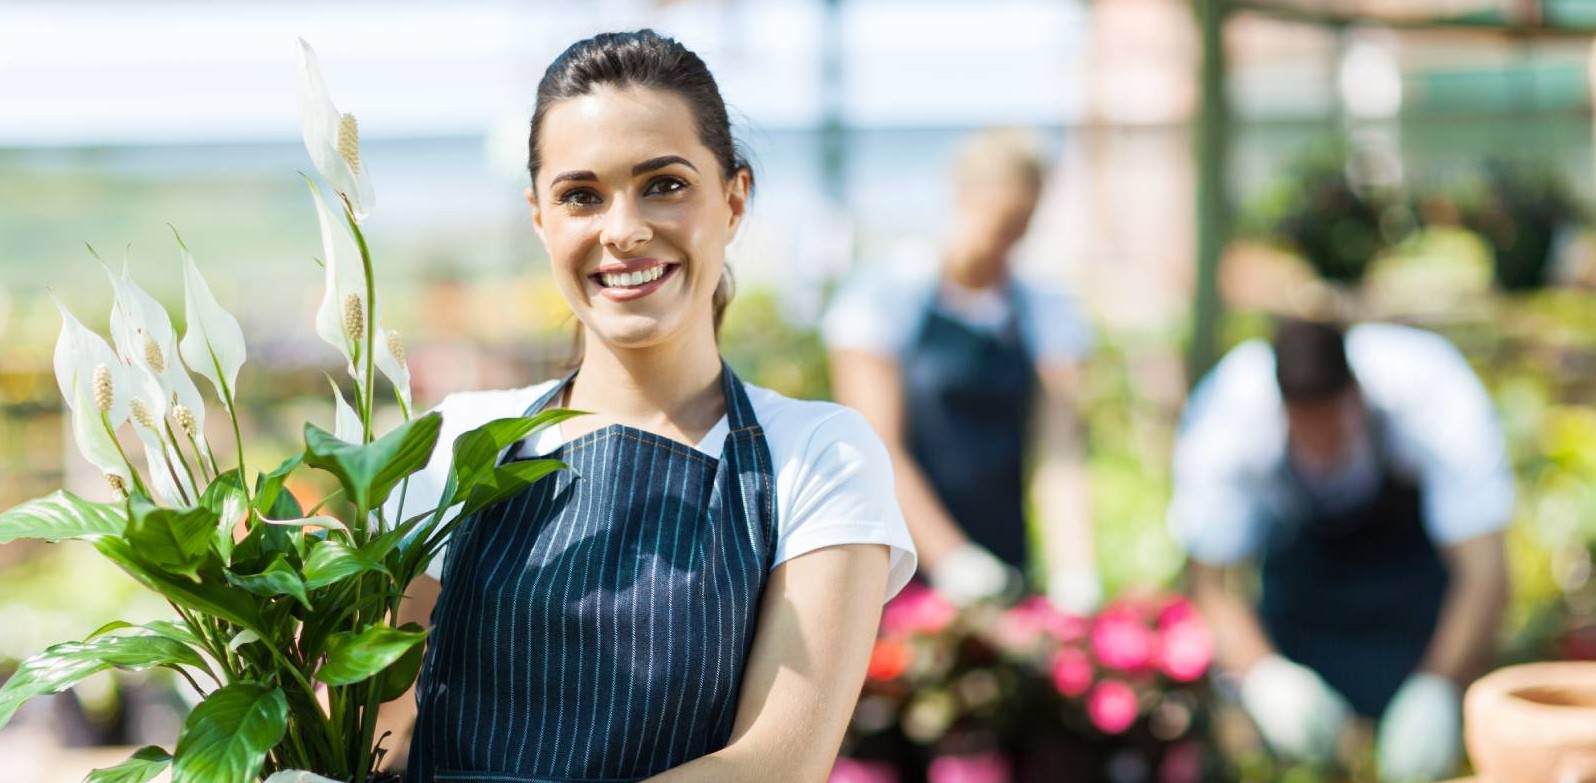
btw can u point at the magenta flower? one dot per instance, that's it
(1183, 763)
(1121, 641)
(1072, 672)
(1187, 651)
(848, 770)
(917, 609)
(1178, 611)
(1112, 706)
(979, 768)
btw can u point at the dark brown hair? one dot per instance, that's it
(643, 58)
(1311, 360)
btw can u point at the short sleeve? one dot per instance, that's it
(1231, 433)
(875, 312)
(840, 491)
(1443, 425)
(1056, 327)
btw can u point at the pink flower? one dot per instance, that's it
(1178, 611)
(917, 609)
(1121, 641)
(1187, 650)
(1072, 672)
(848, 770)
(1112, 706)
(979, 768)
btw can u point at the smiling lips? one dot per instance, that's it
(624, 282)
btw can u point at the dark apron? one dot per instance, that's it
(968, 396)
(1355, 596)
(595, 626)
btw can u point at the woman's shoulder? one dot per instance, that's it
(468, 409)
(798, 429)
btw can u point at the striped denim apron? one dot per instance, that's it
(594, 627)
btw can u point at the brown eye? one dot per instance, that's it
(664, 186)
(577, 197)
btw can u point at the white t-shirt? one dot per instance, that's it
(1440, 429)
(881, 309)
(834, 481)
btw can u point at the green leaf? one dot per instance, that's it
(396, 680)
(352, 658)
(226, 737)
(64, 665)
(225, 497)
(61, 515)
(212, 595)
(505, 482)
(269, 488)
(476, 453)
(331, 560)
(279, 578)
(368, 473)
(176, 539)
(145, 763)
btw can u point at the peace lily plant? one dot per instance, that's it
(285, 618)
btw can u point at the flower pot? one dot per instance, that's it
(1534, 723)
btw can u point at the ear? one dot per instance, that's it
(537, 212)
(737, 197)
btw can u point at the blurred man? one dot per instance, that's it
(1365, 475)
(968, 371)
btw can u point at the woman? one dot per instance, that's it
(968, 374)
(696, 598)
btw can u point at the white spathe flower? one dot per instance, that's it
(160, 464)
(214, 343)
(391, 362)
(341, 318)
(331, 138)
(347, 426)
(146, 341)
(92, 381)
(298, 776)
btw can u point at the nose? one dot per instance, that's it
(625, 228)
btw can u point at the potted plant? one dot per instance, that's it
(284, 617)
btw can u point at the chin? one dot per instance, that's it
(632, 330)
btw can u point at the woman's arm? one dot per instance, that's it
(817, 626)
(1063, 494)
(1465, 639)
(873, 386)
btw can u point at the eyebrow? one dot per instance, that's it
(652, 164)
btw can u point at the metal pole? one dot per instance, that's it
(1213, 208)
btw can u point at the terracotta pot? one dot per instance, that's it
(1534, 724)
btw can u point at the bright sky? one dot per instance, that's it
(136, 72)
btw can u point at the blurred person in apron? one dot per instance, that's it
(695, 599)
(1365, 475)
(969, 371)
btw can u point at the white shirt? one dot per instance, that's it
(1440, 428)
(880, 310)
(833, 477)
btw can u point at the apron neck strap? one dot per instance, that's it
(739, 410)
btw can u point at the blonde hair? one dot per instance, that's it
(1004, 151)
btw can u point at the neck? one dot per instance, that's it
(672, 388)
(963, 268)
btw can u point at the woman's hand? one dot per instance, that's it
(817, 626)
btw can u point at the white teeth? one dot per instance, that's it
(627, 280)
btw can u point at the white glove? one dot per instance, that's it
(1075, 590)
(1420, 732)
(970, 573)
(1298, 714)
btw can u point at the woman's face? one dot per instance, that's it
(635, 213)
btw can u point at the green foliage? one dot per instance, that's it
(144, 764)
(369, 472)
(226, 738)
(354, 657)
(59, 516)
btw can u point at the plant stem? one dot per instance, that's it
(238, 437)
(177, 480)
(177, 446)
(323, 501)
(371, 321)
(138, 483)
